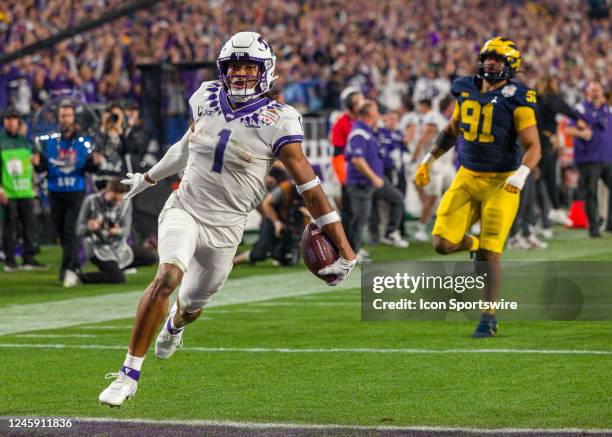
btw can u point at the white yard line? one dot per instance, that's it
(95, 309)
(325, 350)
(333, 426)
(56, 336)
(321, 304)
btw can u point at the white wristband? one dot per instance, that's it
(429, 159)
(308, 185)
(330, 217)
(522, 173)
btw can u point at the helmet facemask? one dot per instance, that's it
(505, 73)
(246, 86)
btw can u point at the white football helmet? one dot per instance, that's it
(251, 47)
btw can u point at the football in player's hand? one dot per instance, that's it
(318, 251)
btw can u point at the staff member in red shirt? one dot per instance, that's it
(351, 99)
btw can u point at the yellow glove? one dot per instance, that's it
(421, 177)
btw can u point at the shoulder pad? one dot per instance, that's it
(520, 94)
(463, 84)
(285, 110)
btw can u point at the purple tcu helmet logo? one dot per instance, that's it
(263, 42)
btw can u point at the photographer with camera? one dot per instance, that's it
(105, 222)
(110, 144)
(136, 139)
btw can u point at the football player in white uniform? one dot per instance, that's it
(442, 172)
(236, 134)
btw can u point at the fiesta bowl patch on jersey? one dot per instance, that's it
(269, 117)
(509, 90)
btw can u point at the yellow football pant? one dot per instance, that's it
(477, 195)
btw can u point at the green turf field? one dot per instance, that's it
(302, 355)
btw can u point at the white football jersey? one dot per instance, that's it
(230, 154)
(437, 119)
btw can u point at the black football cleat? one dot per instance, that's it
(486, 328)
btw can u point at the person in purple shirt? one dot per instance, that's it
(593, 152)
(392, 141)
(60, 77)
(366, 180)
(86, 82)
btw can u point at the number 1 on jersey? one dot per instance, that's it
(224, 137)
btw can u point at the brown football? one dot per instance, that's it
(318, 251)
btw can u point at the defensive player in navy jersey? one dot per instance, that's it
(493, 114)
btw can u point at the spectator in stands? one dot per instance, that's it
(63, 70)
(283, 218)
(432, 86)
(390, 87)
(66, 156)
(17, 194)
(105, 221)
(40, 89)
(593, 152)
(365, 179)
(340, 43)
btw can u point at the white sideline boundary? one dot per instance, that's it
(323, 351)
(307, 426)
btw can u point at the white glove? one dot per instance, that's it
(341, 268)
(138, 184)
(516, 181)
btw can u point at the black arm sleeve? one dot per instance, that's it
(443, 143)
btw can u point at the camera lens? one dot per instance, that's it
(114, 118)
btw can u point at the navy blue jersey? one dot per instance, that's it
(489, 123)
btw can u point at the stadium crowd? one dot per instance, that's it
(393, 50)
(399, 57)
